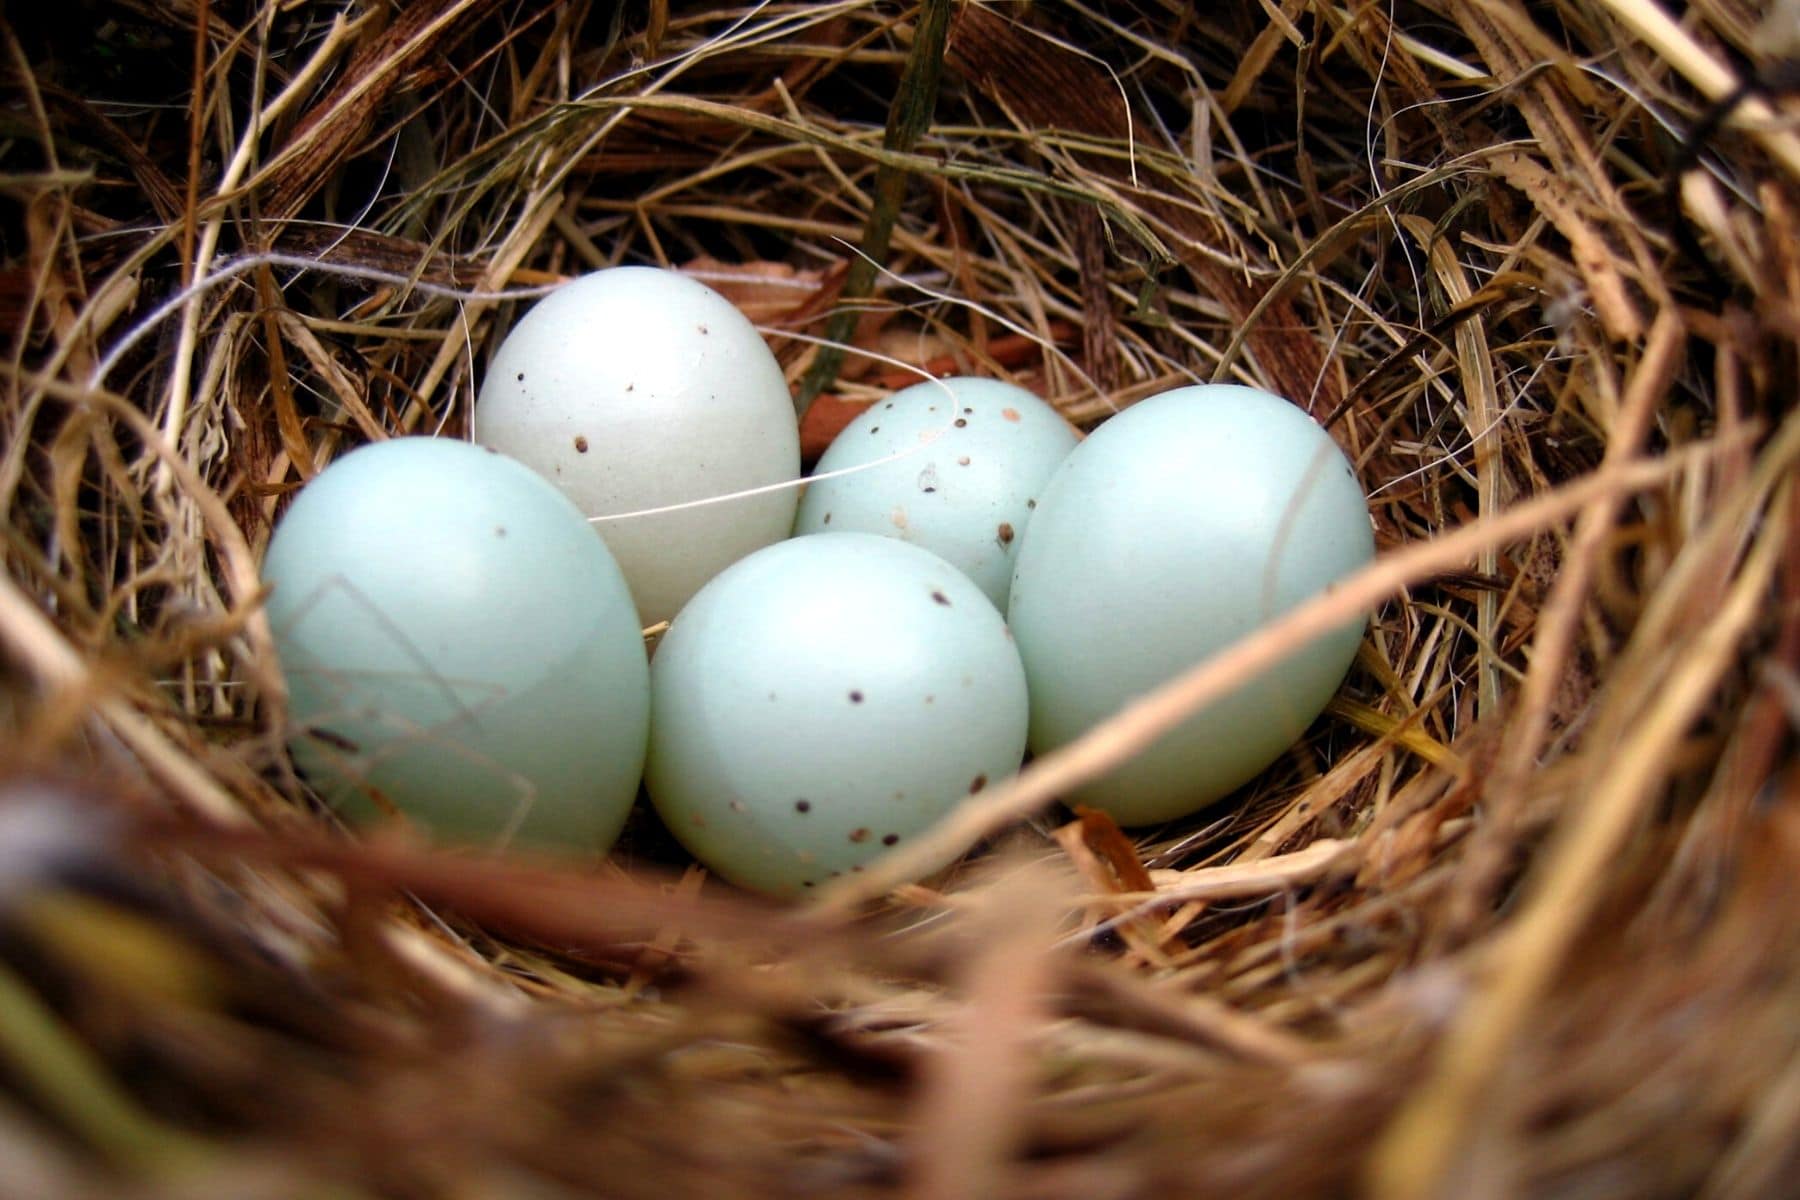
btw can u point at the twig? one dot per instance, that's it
(910, 116)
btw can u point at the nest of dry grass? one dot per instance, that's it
(1516, 918)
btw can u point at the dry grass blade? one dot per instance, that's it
(1679, 49)
(977, 1086)
(915, 98)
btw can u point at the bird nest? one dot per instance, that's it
(1515, 916)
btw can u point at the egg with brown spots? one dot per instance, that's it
(952, 465)
(824, 700)
(458, 647)
(640, 392)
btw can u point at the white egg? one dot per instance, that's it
(634, 389)
(824, 699)
(972, 454)
(1179, 526)
(458, 645)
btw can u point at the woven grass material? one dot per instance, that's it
(1515, 919)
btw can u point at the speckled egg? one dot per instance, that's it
(953, 465)
(1178, 527)
(637, 389)
(823, 700)
(460, 647)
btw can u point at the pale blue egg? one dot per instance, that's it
(640, 390)
(459, 646)
(1177, 527)
(823, 700)
(967, 457)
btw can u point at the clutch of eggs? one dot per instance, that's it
(460, 645)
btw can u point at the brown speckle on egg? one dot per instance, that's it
(1011, 414)
(336, 741)
(581, 444)
(977, 783)
(962, 423)
(941, 599)
(856, 697)
(1004, 535)
(890, 839)
(859, 835)
(803, 806)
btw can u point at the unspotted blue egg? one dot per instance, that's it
(1178, 527)
(964, 459)
(459, 646)
(825, 699)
